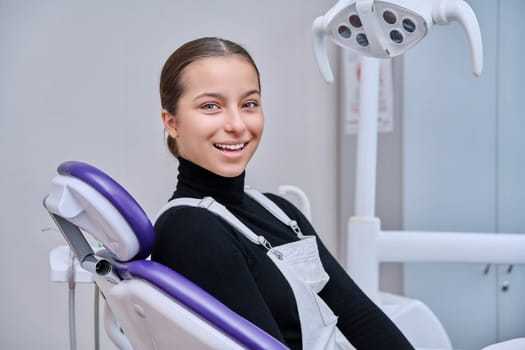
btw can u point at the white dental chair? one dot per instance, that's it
(149, 306)
(154, 306)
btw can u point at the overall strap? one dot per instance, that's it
(219, 210)
(274, 209)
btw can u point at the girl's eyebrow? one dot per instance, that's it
(221, 96)
(209, 94)
(251, 92)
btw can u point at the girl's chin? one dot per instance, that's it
(231, 171)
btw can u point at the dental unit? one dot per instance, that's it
(383, 30)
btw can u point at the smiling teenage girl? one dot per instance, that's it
(256, 253)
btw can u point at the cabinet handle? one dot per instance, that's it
(486, 269)
(505, 286)
(509, 269)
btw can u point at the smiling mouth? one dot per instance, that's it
(230, 147)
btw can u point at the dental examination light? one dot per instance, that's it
(379, 30)
(385, 29)
(382, 30)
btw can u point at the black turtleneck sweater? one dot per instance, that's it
(207, 250)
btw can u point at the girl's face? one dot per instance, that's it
(219, 120)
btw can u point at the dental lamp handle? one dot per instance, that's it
(459, 11)
(321, 53)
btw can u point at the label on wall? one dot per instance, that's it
(352, 74)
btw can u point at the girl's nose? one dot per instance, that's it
(234, 121)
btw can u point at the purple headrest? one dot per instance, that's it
(130, 210)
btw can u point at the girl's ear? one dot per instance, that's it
(170, 123)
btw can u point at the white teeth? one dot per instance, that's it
(230, 147)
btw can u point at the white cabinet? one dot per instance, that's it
(464, 169)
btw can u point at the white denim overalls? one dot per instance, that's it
(299, 263)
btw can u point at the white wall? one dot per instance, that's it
(78, 80)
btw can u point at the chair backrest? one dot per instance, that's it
(156, 307)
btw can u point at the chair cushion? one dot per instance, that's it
(200, 302)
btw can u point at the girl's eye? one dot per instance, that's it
(209, 106)
(250, 104)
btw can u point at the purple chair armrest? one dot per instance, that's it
(200, 302)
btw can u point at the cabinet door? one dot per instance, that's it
(511, 162)
(450, 171)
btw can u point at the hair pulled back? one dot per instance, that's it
(171, 82)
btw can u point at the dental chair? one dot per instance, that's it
(148, 305)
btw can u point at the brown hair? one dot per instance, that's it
(171, 84)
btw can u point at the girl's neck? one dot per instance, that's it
(195, 181)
